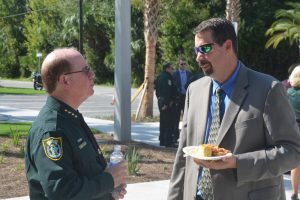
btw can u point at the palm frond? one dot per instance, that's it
(287, 26)
(275, 40)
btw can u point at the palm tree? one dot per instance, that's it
(233, 10)
(151, 21)
(287, 26)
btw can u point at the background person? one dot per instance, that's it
(166, 93)
(181, 78)
(199, 74)
(286, 82)
(63, 159)
(256, 123)
(294, 98)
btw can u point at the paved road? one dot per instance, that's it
(97, 106)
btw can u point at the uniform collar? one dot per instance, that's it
(63, 108)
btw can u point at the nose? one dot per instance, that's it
(198, 56)
(91, 74)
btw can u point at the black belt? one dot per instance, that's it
(198, 197)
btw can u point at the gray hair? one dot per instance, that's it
(294, 78)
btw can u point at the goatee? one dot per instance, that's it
(208, 69)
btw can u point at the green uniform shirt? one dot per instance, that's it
(63, 160)
(165, 88)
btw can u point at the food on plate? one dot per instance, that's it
(208, 150)
(205, 150)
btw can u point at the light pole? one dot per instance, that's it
(122, 123)
(39, 55)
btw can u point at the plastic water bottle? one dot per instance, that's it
(116, 156)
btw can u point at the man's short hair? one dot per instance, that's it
(221, 30)
(166, 66)
(53, 69)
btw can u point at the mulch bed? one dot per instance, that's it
(155, 164)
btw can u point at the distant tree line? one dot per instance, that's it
(29, 27)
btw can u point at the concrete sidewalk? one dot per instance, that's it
(141, 132)
(157, 190)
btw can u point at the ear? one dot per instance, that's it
(228, 44)
(63, 80)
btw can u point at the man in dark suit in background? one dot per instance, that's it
(181, 78)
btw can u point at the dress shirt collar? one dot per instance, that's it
(227, 85)
(182, 70)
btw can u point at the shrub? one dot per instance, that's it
(132, 157)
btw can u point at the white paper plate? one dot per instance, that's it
(193, 152)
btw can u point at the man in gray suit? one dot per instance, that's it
(257, 125)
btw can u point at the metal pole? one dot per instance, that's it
(80, 27)
(122, 71)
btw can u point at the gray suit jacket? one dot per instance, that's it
(258, 126)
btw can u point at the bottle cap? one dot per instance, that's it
(117, 148)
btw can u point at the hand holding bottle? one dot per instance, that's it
(119, 192)
(118, 172)
(117, 166)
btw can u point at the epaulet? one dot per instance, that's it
(72, 114)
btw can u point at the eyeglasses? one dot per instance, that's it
(182, 64)
(204, 49)
(86, 70)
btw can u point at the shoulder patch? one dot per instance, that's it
(53, 148)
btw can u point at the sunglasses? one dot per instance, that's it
(204, 49)
(86, 70)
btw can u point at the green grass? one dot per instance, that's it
(11, 90)
(23, 128)
(5, 128)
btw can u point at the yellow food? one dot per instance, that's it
(207, 150)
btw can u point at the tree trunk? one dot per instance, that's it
(147, 103)
(233, 10)
(151, 20)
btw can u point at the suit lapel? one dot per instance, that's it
(203, 113)
(238, 95)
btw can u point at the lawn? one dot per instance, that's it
(6, 129)
(11, 90)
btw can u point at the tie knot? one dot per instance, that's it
(219, 91)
